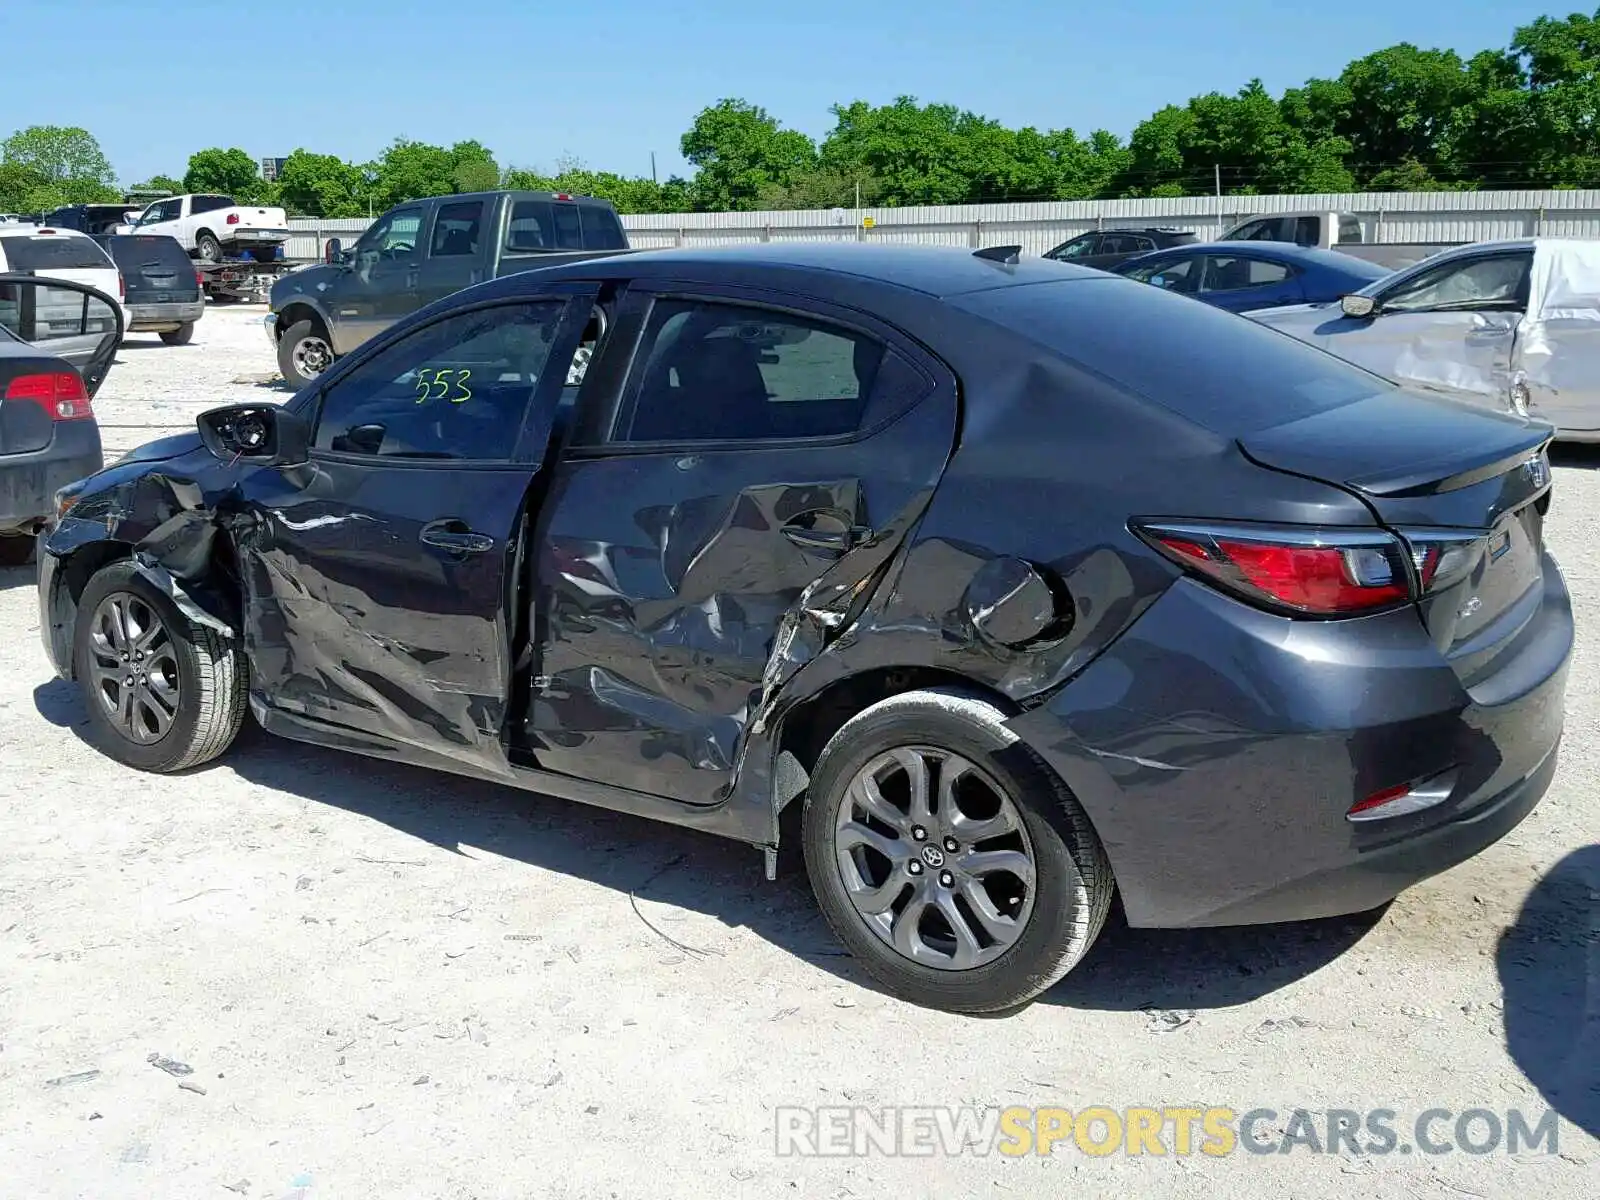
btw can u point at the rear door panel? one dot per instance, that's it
(668, 579)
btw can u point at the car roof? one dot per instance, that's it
(936, 271)
(1284, 252)
(36, 230)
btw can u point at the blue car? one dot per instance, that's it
(1240, 276)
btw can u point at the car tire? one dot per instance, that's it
(16, 549)
(207, 247)
(1004, 799)
(195, 710)
(179, 336)
(302, 345)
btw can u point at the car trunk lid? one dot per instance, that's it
(1467, 484)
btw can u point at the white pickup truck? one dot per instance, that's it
(212, 228)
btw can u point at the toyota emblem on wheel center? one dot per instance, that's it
(933, 856)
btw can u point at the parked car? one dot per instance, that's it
(1340, 231)
(1254, 636)
(1257, 276)
(1511, 325)
(59, 254)
(57, 340)
(212, 228)
(1106, 247)
(96, 220)
(421, 251)
(163, 291)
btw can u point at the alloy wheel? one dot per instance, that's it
(935, 858)
(134, 665)
(312, 356)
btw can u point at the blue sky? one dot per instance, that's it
(610, 82)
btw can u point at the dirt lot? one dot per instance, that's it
(389, 983)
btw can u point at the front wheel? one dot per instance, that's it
(304, 352)
(948, 858)
(179, 336)
(164, 693)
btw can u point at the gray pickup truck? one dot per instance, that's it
(420, 251)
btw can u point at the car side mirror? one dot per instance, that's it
(259, 433)
(1358, 306)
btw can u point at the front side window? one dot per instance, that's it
(1495, 282)
(1078, 247)
(394, 236)
(162, 210)
(1232, 273)
(456, 230)
(456, 389)
(1181, 275)
(717, 372)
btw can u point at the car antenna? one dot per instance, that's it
(1010, 255)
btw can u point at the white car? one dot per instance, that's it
(212, 228)
(58, 317)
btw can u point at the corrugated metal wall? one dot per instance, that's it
(1387, 217)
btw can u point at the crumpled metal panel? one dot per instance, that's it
(1557, 357)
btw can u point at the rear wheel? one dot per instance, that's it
(16, 549)
(164, 694)
(304, 352)
(179, 336)
(948, 858)
(207, 246)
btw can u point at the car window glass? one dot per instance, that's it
(711, 372)
(456, 389)
(1307, 230)
(456, 230)
(1230, 273)
(55, 252)
(394, 236)
(1495, 281)
(601, 229)
(205, 204)
(1349, 230)
(1142, 243)
(134, 252)
(1076, 248)
(1117, 243)
(48, 317)
(1180, 276)
(568, 226)
(532, 227)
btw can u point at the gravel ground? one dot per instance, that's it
(392, 983)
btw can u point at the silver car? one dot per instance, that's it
(1512, 325)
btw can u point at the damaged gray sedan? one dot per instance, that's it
(1003, 586)
(1512, 325)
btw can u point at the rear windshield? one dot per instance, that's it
(134, 251)
(560, 225)
(1221, 371)
(23, 253)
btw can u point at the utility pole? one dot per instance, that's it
(1217, 167)
(653, 178)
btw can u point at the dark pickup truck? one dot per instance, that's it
(420, 251)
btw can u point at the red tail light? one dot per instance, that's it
(1314, 572)
(233, 218)
(200, 278)
(60, 393)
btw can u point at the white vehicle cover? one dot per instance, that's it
(1557, 351)
(1547, 357)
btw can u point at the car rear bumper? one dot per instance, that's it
(28, 482)
(242, 235)
(144, 318)
(1217, 750)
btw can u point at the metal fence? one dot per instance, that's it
(1385, 217)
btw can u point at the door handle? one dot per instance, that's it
(803, 532)
(454, 536)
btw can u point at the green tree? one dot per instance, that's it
(225, 172)
(65, 163)
(738, 150)
(160, 183)
(324, 185)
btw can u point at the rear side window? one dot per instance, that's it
(456, 230)
(52, 253)
(1232, 273)
(1223, 372)
(560, 225)
(1307, 231)
(1349, 231)
(203, 204)
(722, 372)
(141, 250)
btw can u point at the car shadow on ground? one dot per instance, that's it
(1549, 964)
(1128, 970)
(16, 578)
